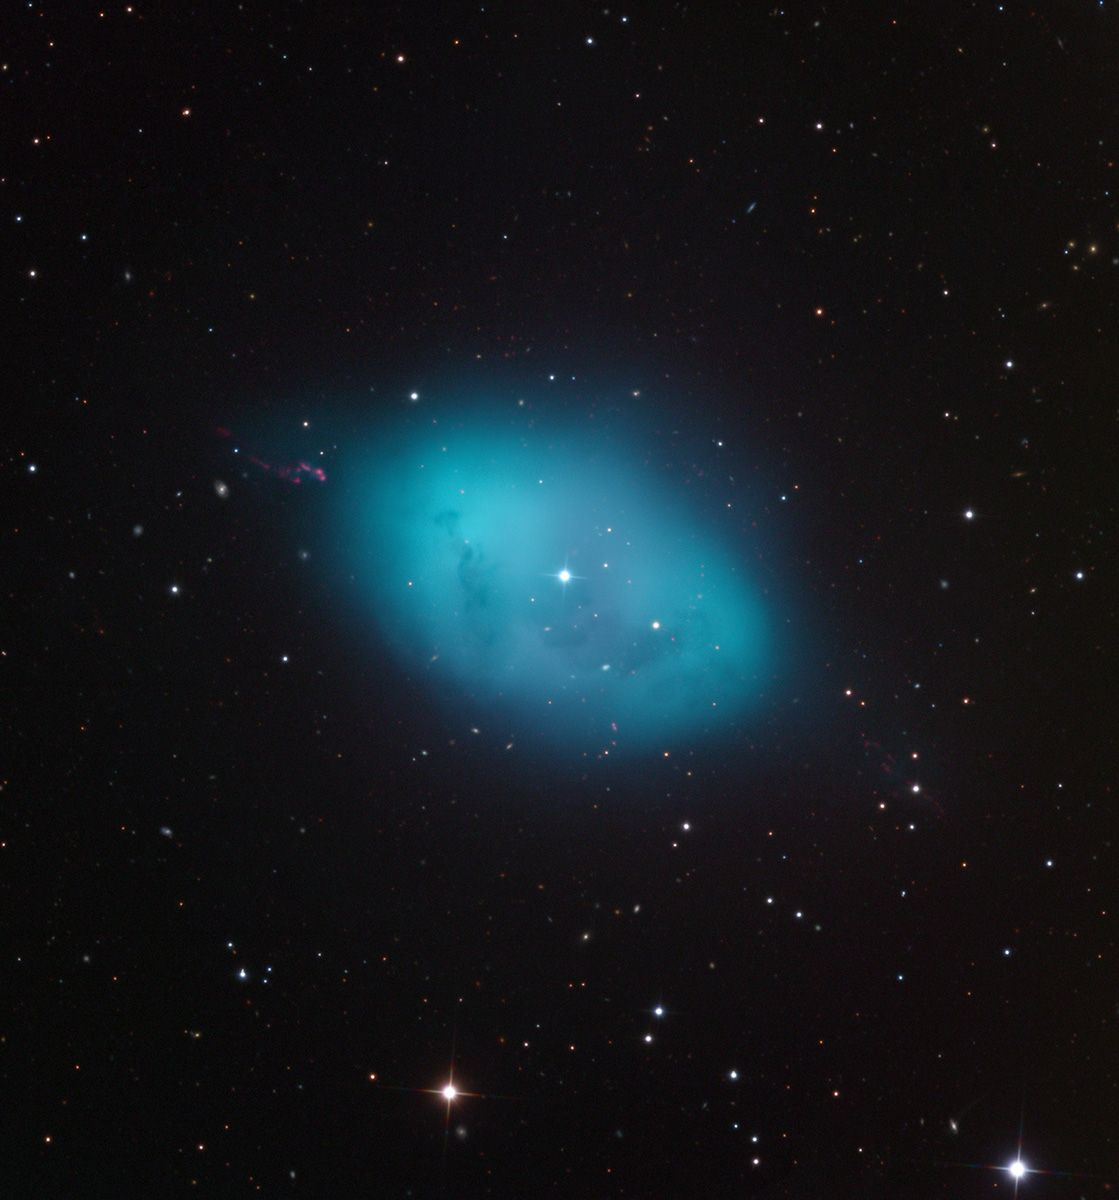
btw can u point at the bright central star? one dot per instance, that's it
(450, 1092)
(563, 576)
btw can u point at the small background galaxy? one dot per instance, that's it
(566, 552)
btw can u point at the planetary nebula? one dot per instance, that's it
(549, 582)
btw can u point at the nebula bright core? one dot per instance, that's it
(549, 579)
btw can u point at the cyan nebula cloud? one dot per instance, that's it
(552, 581)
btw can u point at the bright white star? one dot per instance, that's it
(564, 576)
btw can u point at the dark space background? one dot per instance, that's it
(258, 889)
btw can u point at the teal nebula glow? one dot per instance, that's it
(553, 583)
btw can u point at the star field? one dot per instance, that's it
(559, 601)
